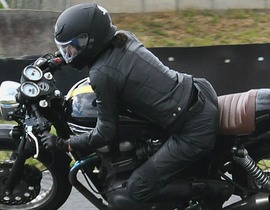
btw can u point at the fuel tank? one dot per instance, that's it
(80, 104)
(81, 112)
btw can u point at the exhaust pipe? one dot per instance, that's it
(258, 201)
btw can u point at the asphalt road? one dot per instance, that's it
(76, 200)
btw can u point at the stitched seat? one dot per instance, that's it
(237, 113)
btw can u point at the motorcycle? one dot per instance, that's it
(34, 178)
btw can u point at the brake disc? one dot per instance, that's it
(25, 190)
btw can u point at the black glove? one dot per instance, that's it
(52, 142)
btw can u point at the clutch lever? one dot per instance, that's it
(29, 132)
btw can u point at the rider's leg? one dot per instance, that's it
(154, 181)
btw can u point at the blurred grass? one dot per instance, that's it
(197, 27)
(5, 122)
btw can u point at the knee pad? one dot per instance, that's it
(138, 189)
(133, 186)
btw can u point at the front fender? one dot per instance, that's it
(6, 142)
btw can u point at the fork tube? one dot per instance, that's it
(17, 169)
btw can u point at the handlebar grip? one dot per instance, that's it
(56, 61)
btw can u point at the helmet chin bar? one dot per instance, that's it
(81, 61)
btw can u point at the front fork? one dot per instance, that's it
(25, 149)
(17, 170)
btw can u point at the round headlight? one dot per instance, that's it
(7, 109)
(8, 103)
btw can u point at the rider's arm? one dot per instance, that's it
(107, 100)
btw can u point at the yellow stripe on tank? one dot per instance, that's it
(80, 90)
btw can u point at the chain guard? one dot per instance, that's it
(27, 188)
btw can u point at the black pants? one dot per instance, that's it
(154, 180)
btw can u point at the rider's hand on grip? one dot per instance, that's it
(52, 142)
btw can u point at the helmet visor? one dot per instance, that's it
(70, 49)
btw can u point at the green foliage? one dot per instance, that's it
(198, 27)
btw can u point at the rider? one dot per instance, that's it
(125, 75)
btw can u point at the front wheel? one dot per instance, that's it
(50, 169)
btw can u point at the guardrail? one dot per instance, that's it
(230, 68)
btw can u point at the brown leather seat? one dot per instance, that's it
(237, 113)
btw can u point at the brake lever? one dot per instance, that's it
(34, 138)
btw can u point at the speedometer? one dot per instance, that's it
(32, 73)
(30, 89)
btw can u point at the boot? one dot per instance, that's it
(193, 205)
(213, 193)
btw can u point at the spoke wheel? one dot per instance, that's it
(50, 192)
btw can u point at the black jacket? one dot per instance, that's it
(131, 77)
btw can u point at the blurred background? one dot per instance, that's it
(226, 41)
(26, 26)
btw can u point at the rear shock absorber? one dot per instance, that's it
(241, 157)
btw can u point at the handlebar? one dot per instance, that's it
(56, 62)
(40, 124)
(49, 62)
(34, 123)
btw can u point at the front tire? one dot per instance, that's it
(55, 186)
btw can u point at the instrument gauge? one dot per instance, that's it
(32, 73)
(30, 89)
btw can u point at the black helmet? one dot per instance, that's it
(82, 32)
